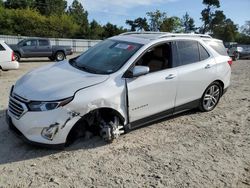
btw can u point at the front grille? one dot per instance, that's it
(17, 107)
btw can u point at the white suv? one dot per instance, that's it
(120, 84)
(7, 59)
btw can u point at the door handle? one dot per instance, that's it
(208, 66)
(171, 76)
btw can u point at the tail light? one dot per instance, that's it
(12, 56)
(230, 62)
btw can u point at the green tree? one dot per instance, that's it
(188, 23)
(15, 4)
(156, 19)
(62, 26)
(51, 7)
(171, 24)
(80, 17)
(139, 24)
(242, 38)
(1, 3)
(6, 21)
(112, 30)
(96, 30)
(226, 31)
(208, 14)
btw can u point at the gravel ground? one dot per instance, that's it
(189, 150)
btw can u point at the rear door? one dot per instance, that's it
(196, 70)
(44, 48)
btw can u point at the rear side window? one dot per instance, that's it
(188, 52)
(218, 47)
(30, 43)
(43, 43)
(2, 48)
(203, 53)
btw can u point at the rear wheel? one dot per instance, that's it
(59, 56)
(210, 97)
(17, 56)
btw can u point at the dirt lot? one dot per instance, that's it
(190, 150)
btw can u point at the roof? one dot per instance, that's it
(146, 37)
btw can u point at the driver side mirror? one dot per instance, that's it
(139, 71)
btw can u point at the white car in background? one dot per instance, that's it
(7, 59)
(120, 84)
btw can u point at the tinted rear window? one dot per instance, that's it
(218, 47)
(2, 48)
(43, 43)
(203, 53)
(188, 52)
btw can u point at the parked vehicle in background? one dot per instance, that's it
(40, 47)
(245, 52)
(7, 59)
(233, 50)
(120, 84)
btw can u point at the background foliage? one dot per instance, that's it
(54, 18)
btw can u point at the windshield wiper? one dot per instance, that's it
(82, 67)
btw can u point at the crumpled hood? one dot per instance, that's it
(54, 82)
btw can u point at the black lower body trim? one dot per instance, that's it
(151, 119)
(164, 114)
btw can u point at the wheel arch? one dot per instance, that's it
(86, 120)
(59, 51)
(221, 84)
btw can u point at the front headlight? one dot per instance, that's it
(45, 106)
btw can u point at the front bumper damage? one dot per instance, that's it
(47, 129)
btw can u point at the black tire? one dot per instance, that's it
(52, 58)
(211, 97)
(60, 56)
(17, 56)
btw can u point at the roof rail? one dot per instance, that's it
(185, 35)
(166, 34)
(142, 32)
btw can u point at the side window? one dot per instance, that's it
(2, 48)
(30, 43)
(203, 53)
(43, 43)
(188, 52)
(218, 46)
(157, 58)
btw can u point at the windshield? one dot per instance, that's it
(20, 42)
(106, 57)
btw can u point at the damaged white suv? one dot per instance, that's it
(120, 84)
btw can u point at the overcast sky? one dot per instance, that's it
(117, 11)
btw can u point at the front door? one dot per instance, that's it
(153, 94)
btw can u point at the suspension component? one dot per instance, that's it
(111, 130)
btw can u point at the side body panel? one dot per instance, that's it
(151, 94)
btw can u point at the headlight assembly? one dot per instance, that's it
(45, 106)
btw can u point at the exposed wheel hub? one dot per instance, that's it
(111, 130)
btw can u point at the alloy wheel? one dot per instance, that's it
(211, 97)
